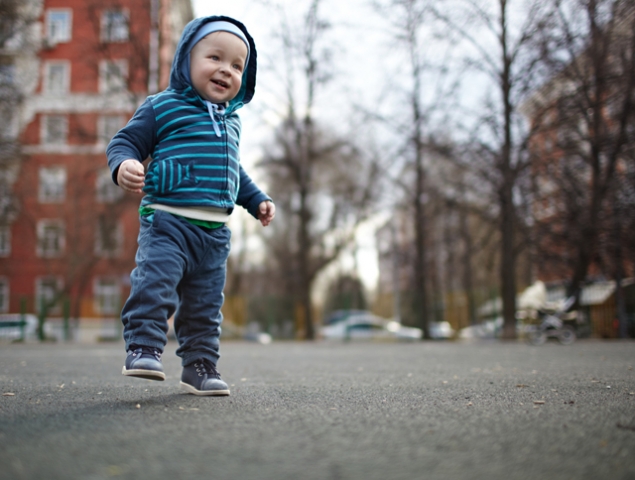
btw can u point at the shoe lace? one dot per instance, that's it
(204, 366)
(140, 351)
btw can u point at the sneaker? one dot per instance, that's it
(202, 378)
(144, 362)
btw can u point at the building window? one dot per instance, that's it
(52, 185)
(108, 126)
(107, 191)
(107, 295)
(50, 238)
(4, 295)
(109, 237)
(113, 76)
(5, 241)
(114, 26)
(47, 294)
(58, 25)
(56, 77)
(54, 129)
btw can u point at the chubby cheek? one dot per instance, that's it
(237, 82)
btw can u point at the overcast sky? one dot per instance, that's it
(370, 68)
(352, 39)
(355, 34)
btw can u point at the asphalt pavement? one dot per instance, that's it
(390, 411)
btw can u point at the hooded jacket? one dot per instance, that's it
(195, 151)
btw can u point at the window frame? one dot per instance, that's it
(105, 33)
(5, 292)
(5, 241)
(107, 298)
(103, 136)
(45, 131)
(68, 34)
(106, 191)
(41, 247)
(66, 81)
(118, 237)
(106, 84)
(57, 194)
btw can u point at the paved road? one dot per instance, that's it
(325, 411)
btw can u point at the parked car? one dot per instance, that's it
(369, 327)
(339, 315)
(441, 330)
(485, 330)
(250, 333)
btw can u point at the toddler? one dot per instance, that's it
(192, 132)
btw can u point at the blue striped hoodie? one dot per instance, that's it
(191, 165)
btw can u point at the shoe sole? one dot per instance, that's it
(216, 393)
(147, 374)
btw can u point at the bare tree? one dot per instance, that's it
(322, 194)
(503, 48)
(320, 181)
(473, 228)
(587, 135)
(412, 162)
(414, 18)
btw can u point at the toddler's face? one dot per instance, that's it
(217, 63)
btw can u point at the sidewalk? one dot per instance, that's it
(324, 411)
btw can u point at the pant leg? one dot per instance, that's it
(153, 295)
(198, 319)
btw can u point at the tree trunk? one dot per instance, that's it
(304, 244)
(468, 250)
(506, 193)
(421, 301)
(507, 268)
(618, 270)
(587, 242)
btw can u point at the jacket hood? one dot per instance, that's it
(179, 82)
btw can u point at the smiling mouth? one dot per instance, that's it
(220, 83)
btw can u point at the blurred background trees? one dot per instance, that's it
(472, 146)
(322, 183)
(584, 138)
(17, 19)
(503, 154)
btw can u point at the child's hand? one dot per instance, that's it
(131, 176)
(266, 212)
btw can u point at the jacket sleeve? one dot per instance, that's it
(249, 195)
(136, 140)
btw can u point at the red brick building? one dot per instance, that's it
(73, 237)
(583, 153)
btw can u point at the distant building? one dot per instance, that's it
(69, 247)
(579, 182)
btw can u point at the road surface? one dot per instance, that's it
(388, 411)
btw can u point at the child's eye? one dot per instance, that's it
(238, 67)
(214, 57)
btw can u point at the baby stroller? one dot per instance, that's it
(555, 323)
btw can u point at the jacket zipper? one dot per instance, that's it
(226, 145)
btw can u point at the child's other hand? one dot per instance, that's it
(266, 212)
(131, 176)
